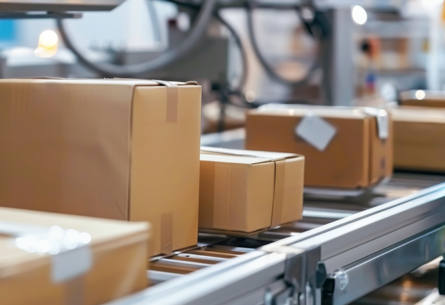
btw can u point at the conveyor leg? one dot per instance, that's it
(441, 282)
(327, 292)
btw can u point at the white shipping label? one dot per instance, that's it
(382, 118)
(383, 124)
(71, 264)
(70, 254)
(316, 131)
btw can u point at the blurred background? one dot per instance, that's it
(248, 54)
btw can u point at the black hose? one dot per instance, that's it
(185, 4)
(264, 63)
(169, 57)
(238, 41)
(227, 93)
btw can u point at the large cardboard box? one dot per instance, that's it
(343, 147)
(248, 191)
(117, 149)
(419, 142)
(48, 258)
(421, 98)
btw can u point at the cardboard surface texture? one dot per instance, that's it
(247, 191)
(117, 149)
(117, 265)
(357, 155)
(421, 98)
(419, 142)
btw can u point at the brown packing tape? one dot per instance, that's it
(167, 233)
(221, 195)
(75, 291)
(172, 101)
(212, 173)
(280, 174)
(229, 196)
(172, 104)
(172, 97)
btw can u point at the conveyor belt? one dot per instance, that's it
(214, 249)
(338, 239)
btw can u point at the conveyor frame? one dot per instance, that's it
(58, 5)
(296, 267)
(323, 265)
(377, 241)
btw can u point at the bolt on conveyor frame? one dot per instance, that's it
(335, 263)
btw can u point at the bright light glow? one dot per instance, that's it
(388, 91)
(383, 112)
(420, 94)
(48, 39)
(291, 111)
(55, 249)
(43, 246)
(72, 234)
(85, 237)
(21, 243)
(307, 14)
(183, 22)
(48, 42)
(53, 242)
(359, 15)
(69, 243)
(55, 233)
(250, 96)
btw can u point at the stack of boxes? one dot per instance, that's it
(129, 150)
(114, 149)
(119, 150)
(249, 191)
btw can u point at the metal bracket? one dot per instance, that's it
(327, 291)
(441, 279)
(278, 297)
(39, 15)
(301, 268)
(320, 275)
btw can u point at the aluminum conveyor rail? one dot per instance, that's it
(333, 264)
(360, 253)
(340, 251)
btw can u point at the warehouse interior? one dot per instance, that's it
(264, 152)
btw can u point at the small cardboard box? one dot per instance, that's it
(48, 258)
(419, 142)
(421, 98)
(116, 149)
(247, 191)
(344, 147)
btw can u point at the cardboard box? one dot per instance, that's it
(117, 149)
(419, 142)
(248, 191)
(421, 98)
(50, 258)
(350, 147)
